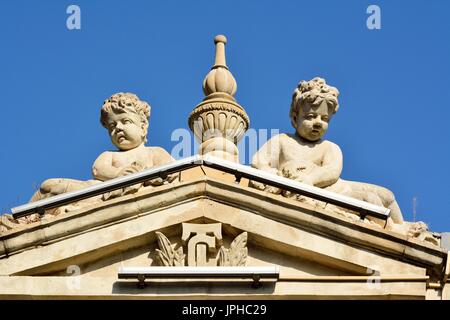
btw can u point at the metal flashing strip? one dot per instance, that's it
(239, 170)
(106, 186)
(252, 273)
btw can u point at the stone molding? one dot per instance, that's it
(264, 204)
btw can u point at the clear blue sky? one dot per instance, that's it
(392, 124)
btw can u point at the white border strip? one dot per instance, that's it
(238, 170)
(198, 272)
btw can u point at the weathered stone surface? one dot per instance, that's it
(305, 242)
(203, 245)
(307, 158)
(219, 122)
(89, 287)
(445, 240)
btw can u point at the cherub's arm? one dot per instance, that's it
(330, 170)
(268, 156)
(103, 169)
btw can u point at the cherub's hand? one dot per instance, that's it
(298, 174)
(293, 171)
(133, 168)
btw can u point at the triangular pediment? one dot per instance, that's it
(131, 222)
(258, 255)
(131, 243)
(303, 241)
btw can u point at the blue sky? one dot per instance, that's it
(394, 83)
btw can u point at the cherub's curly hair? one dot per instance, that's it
(314, 92)
(123, 103)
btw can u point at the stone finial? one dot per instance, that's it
(219, 80)
(219, 122)
(220, 41)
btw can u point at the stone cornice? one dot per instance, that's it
(286, 211)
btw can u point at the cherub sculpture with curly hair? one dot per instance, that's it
(304, 156)
(125, 117)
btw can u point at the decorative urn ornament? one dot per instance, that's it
(219, 122)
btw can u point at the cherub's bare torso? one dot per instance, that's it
(308, 154)
(126, 158)
(317, 163)
(111, 164)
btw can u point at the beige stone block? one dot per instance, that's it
(89, 287)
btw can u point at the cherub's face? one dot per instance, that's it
(312, 121)
(126, 130)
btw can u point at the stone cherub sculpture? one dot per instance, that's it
(306, 157)
(125, 117)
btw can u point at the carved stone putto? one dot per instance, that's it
(204, 247)
(308, 158)
(126, 118)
